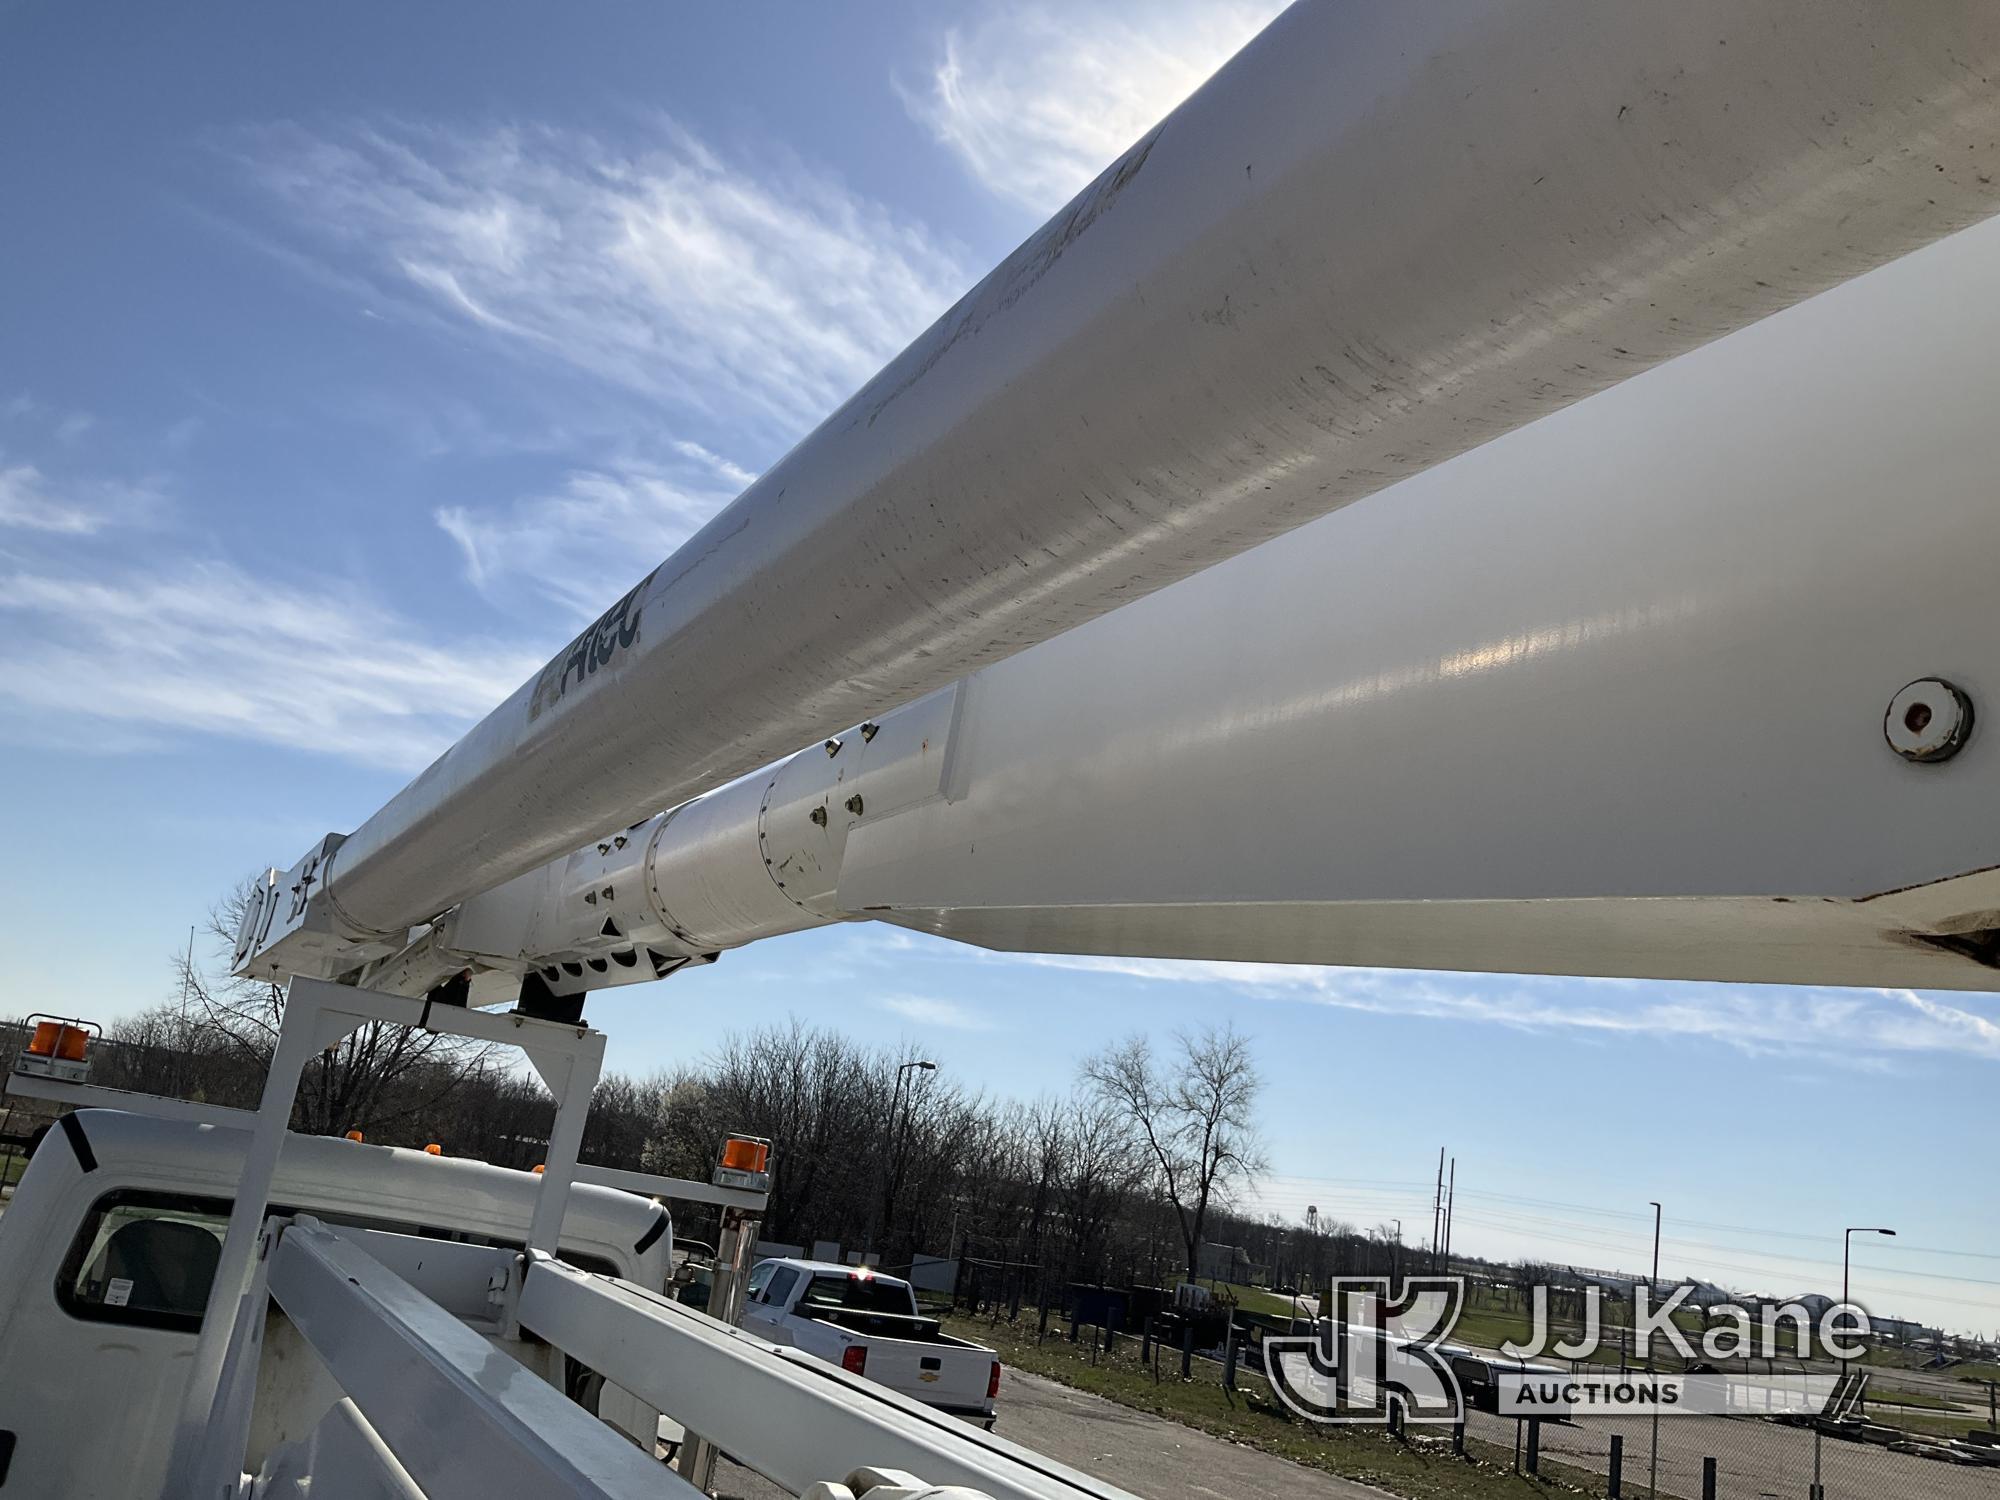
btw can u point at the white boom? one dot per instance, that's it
(1383, 235)
(1596, 700)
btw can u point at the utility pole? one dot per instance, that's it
(181, 1080)
(1451, 1197)
(1437, 1211)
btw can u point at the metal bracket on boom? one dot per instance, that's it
(292, 926)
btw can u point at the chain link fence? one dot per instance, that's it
(1742, 1458)
(1935, 1454)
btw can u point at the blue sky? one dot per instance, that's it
(352, 355)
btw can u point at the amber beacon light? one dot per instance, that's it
(58, 1047)
(745, 1163)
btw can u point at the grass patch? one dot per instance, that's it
(1421, 1468)
(1254, 1299)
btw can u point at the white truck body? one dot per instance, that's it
(869, 1324)
(198, 1303)
(115, 1229)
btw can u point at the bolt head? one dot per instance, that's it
(1929, 720)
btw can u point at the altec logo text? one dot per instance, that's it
(1373, 1352)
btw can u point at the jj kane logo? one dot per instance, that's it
(1374, 1352)
(1371, 1357)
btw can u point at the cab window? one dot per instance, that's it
(147, 1259)
(782, 1282)
(144, 1259)
(859, 1294)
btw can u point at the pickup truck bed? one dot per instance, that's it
(911, 1326)
(869, 1324)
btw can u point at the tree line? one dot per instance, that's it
(1121, 1178)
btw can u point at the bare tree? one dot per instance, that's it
(347, 1087)
(1096, 1177)
(1195, 1112)
(1525, 1275)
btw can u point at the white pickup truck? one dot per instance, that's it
(869, 1324)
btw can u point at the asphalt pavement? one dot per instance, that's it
(1143, 1454)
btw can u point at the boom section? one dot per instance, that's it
(1382, 235)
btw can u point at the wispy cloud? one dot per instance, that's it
(1928, 1018)
(1036, 99)
(730, 473)
(1857, 1029)
(924, 1010)
(205, 648)
(30, 502)
(25, 502)
(25, 409)
(762, 292)
(589, 539)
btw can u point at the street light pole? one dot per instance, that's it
(1846, 1249)
(1653, 1290)
(1846, 1246)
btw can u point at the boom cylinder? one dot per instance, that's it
(1382, 235)
(759, 858)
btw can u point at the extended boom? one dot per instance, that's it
(1381, 236)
